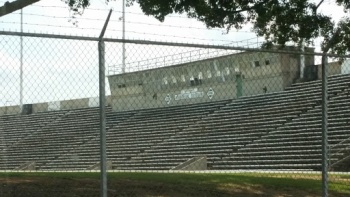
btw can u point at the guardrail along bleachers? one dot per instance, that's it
(296, 145)
(230, 128)
(274, 131)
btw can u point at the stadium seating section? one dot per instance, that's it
(273, 131)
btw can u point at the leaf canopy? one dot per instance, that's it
(279, 21)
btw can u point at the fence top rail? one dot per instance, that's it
(175, 44)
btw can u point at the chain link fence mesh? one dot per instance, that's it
(181, 121)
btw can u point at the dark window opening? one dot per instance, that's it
(195, 82)
(192, 82)
(267, 62)
(121, 85)
(256, 64)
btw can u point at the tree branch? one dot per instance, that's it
(331, 43)
(10, 7)
(318, 5)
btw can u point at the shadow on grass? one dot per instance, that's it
(160, 184)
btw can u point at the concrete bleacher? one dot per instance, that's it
(274, 131)
(86, 154)
(59, 135)
(15, 130)
(229, 129)
(149, 128)
(297, 144)
(130, 133)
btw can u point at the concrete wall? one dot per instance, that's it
(39, 107)
(290, 68)
(221, 69)
(257, 85)
(74, 104)
(57, 105)
(10, 110)
(345, 66)
(178, 96)
(212, 79)
(333, 69)
(291, 65)
(159, 87)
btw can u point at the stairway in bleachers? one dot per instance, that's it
(297, 144)
(87, 153)
(275, 131)
(150, 129)
(229, 129)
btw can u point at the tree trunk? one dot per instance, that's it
(10, 7)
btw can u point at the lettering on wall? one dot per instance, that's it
(189, 94)
(192, 93)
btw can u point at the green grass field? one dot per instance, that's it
(170, 184)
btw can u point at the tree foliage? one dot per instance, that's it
(278, 21)
(77, 5)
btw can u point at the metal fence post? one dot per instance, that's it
(103, 159)
(324, 127)
(102, 96)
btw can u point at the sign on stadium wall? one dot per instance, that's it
(192, 93)
(189, 94)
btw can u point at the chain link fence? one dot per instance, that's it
(182, 120)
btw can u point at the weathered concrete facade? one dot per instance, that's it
(333, 69)
(219, 78)
(56, 105)
(226, 77)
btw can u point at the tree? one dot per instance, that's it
(278, 21)
(13, 6)
(10, 7)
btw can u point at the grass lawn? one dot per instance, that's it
(170, 184)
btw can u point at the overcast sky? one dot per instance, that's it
(51, 16)
(60, 69)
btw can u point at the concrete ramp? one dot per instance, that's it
(27, 166)
(342, 165)
(97, 166)
(195, 163)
